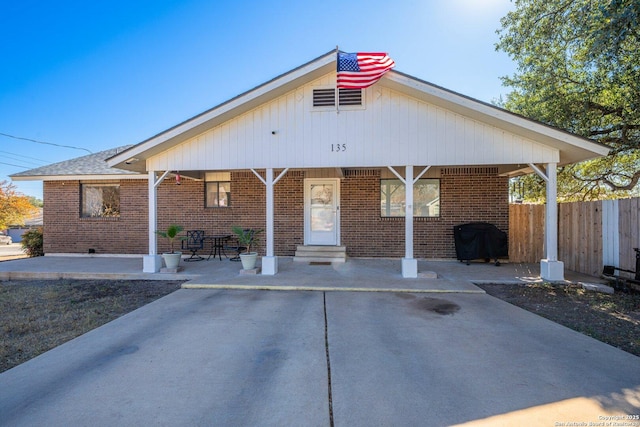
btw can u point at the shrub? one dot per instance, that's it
(32, 242)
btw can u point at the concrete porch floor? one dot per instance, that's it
(357, 274)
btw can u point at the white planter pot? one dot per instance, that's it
(172, 260)
(249, 260)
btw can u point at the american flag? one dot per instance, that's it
(361, 70)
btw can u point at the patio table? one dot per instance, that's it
(217, 245)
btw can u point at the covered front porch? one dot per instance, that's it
(347, 209)
(372, 275)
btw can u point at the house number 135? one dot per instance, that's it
(335, 148)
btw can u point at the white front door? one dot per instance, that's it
(321, 212)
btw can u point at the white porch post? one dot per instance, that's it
(269, 261)
(153, 262)
(409, 264)
(550, 268)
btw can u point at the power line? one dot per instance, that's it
(10, 164)
(25, 157)
(10, 157)
(46, 143)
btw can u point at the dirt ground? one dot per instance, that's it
(38, 315)
(610, 318)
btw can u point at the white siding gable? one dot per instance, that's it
(392, 129)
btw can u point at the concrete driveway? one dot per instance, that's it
(234, 357)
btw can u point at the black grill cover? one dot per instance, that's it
(480, 240)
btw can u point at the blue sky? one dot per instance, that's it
(101, 74)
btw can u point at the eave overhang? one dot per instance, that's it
(93, 177)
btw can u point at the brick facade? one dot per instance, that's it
(466, 195)
(66, 232)
(476, 195)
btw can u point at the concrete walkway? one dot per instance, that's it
(354, 275)
(217, 357)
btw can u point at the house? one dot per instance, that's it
(388, 172)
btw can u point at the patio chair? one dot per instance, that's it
(236, 247)
(193, 243)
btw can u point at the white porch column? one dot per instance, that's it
(409, 264)
(550, 268)
(269, 261)
(153, 262)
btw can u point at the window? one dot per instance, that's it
(100, 200)
(218, 194)
(426, 198)
(327, 97)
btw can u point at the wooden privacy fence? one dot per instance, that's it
(590, 234)
(526, 233)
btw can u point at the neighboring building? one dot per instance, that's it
(284, 158)
(31, 222)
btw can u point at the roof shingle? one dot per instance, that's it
(91, 164)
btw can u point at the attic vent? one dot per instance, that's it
(361, 172)
(350, 96)
(470, 171)
(326, 97)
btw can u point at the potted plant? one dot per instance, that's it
(172, 259)
(247, 238)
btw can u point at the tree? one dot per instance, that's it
(579, 70)
(14, 207)
(38, 203)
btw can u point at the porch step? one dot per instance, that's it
(321, 254)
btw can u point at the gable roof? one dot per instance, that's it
(91, 166)
(572, 148)
(225, 111)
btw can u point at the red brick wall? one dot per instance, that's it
(184, 205)
(66, 232)
(476, 195)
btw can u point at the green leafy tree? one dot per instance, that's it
(38, 203)
(579, 70)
